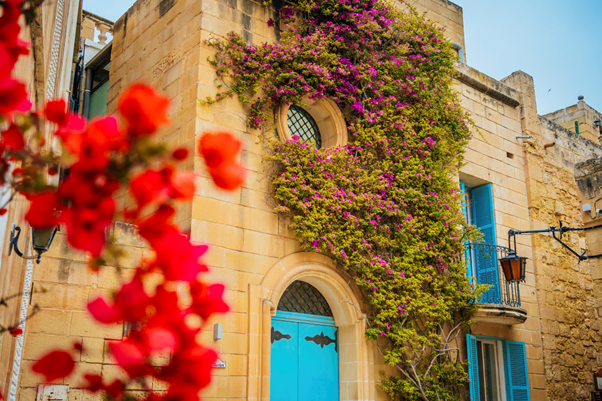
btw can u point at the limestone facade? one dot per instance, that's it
(46, 72)
(579, 115)
(255, 254)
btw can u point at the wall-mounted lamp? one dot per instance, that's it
(41, 240)
(557, 233)
(514, 266)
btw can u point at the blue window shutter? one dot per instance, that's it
(473, 367)
(516, 366)
(483, 216)
(465, 211)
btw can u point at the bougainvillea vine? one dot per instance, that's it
(385, 207)
(166, 300)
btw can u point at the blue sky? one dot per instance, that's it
(558, 42)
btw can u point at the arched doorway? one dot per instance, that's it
(304, 347)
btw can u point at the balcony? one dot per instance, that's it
(501, 304)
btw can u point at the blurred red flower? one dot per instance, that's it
(44, 210)
(12, 138)
(54, 365)
(17, 331)
(13, 96)
(144, 109)
(220, 150)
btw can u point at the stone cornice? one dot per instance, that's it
(487, 85)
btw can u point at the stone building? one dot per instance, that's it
(46, 73)
(535, 340)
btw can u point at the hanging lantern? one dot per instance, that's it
(42, 239)
(514, 267)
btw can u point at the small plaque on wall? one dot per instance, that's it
(219, 364)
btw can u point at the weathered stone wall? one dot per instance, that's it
(38, 71)
(63, 284)
(569, 324)
(581, 113)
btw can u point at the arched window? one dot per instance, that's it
(301, 123)
(301, 297)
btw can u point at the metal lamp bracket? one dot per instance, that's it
(557, 233)
(14, 238)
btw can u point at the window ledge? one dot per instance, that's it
(500, 314)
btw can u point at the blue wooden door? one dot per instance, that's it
(305, 358)
(285, 360)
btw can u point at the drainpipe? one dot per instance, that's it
(460, 50)
(87, 93)
(577, 127)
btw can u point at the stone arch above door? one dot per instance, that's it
(357, 379)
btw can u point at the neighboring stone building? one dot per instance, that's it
(581, 119)
(46, 72)
(542, 335)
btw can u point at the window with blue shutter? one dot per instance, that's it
(497, 369)
(486, 264)
(473, 367)
(516, 366)
(464, 205)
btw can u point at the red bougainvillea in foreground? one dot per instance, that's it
(17, 331)
(220, 150)
(54, 365)
(104, 157)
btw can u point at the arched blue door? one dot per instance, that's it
(305, 348)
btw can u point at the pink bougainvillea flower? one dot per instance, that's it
(144, 109)
(55, 365)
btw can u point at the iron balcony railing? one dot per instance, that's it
(482, 263)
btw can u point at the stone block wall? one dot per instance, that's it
(63, 284)
(570, 327)
(581, 113)
(495, 155)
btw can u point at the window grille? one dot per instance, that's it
(301, 123)
(302, 297)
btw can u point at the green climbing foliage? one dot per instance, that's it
(385, 206)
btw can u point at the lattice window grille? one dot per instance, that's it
(301, 297)
(301, 123)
